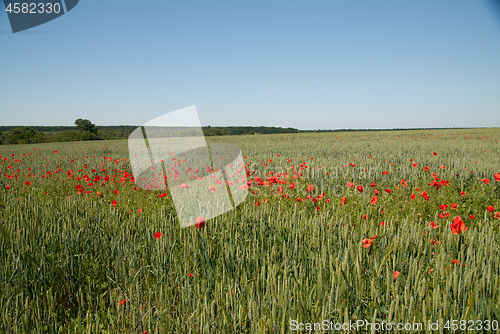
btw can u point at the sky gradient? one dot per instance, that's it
(305, 64)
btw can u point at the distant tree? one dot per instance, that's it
(2, 138)
(73, 135)
(85, 125)
(26, 135)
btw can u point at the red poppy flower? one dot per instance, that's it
(257, 203)
(454, 261)
(412, 196)
(424, 194)
(490, 209)
(471, 217)
(350, 184)
(395, 274)
(317, 208)
(27, 183)
(435, 154)
(212, 188)
(366, 242)
(55, 152)
(385, 172)
(116, 192)
(426, 168)
(361, 189)
(388, 191)
(444, 214)
(139, 210)
(403, 183)
(364, 216)
(373, 185)
(496, 215)
(434, 225)
(382, 223)
(462, 193)
(7, 187)
(434, 242)
(343, 200)
(497, 176)
(99, 194)
(158, 235)
(374, 200)
(486, 181)
(299, 199)
(200, 222)
(113, 203)
(444, 206)
(191, 275)
(454, 206)
(458, 226)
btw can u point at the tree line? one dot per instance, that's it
(245, 130)
(84, 130)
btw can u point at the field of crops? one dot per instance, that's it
(399, 227)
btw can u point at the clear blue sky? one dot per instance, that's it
(304, 64)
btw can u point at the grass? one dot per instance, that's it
(72, 262)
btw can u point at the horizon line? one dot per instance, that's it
(280, 127)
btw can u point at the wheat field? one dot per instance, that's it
(383, 226)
